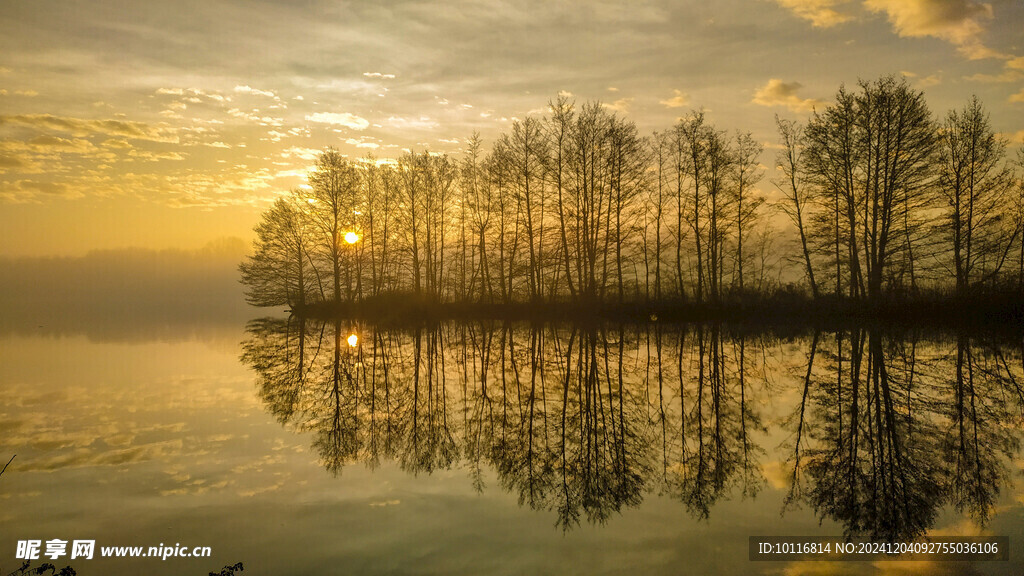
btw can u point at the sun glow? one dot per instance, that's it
(352, 340)
(351, 237)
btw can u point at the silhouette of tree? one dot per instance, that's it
(975, 185)
(746, 174)
(335, 186)
(789, 161)
(281, 269)
(873, 151)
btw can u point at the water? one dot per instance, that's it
(490, 448)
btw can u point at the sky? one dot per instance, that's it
(173, 124)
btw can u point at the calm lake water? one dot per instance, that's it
(490, 448)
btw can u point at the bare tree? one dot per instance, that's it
(276, 273)
(976, 186)
(747, 173)
(791, 184)
(335, 186)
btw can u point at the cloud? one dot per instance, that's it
(958, 22)
(211, 95)
(779, 93)
(678, 101)
(361, 144)
(154, 156)
(35, 189)
(117, 143)
(57, 144)
(620, 105)
(249, 90)
(1017, 137)
(378, 75)
(343, 119)
(11, 163)
(1018, 97)
(421, 123)
(1008, 75)
(300, 152)
(262, 120)
(925, 82)
(80, 127)
(820, 13)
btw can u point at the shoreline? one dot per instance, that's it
(999, 313)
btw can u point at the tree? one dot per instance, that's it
(479, 204)
(875, 149)
(276, 273)
(335, 186)
(691, 161)
(789, 162)
(628, 174)
(746, 173)
(524, 153)
(559, 128)
(976, 185)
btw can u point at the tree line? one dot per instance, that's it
(578, 206)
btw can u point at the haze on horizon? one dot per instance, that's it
(172, 125)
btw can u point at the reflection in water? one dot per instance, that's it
(890, 429)
(583, 421)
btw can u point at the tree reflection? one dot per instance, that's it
(980, 402)
(886, 433)
(583, 421)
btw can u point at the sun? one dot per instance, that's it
(352, 340)
(351, 237)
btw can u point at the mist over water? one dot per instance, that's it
(124, 294)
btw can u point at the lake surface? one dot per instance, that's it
(493, 448)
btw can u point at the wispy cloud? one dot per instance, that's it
(249, 90)
(421, 123)
(253, 117)
(378, 75)
(779, 93)
(820, 13)
(345, 119)
(620, 105)
(923, 82)
(679, 100)
(82, 127)
(361, 144)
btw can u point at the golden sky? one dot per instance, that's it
(173, 124)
